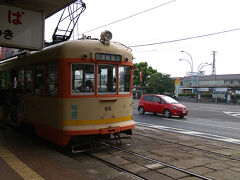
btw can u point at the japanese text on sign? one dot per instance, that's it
(6, 33)
(13, 18)
(108, 57)
(21, 28)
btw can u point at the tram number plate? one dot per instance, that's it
(108, 108)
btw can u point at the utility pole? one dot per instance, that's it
(214, 64)
(214, 70)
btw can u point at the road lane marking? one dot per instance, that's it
(234, 114)
(193, 133)
(205, 124)
(18, 166)
(211, 110)
(213, 125)
(209, 107)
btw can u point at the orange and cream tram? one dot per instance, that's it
(73, 89)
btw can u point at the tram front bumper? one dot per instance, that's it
(110, 130)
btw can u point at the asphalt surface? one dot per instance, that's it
(212, 120)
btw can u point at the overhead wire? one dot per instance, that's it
(130, 16)
(184, 39)
(163, 42)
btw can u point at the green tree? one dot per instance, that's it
(146, 73)
(160, 83)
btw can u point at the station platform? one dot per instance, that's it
(29, 157)
(26, 157)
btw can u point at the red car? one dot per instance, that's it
(161, 104)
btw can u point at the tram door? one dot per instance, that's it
(13, 97)
(9, 83)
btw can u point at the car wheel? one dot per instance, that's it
(181, 117)
(167, 113)
(141, 110)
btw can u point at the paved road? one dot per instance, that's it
(216, 121)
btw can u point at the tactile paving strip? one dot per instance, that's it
(18, 166)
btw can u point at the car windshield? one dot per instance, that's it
(169, 100)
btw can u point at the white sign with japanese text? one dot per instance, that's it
(21, 28)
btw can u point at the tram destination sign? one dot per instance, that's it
(108, 57)
(21, 28)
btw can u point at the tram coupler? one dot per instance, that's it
(117, 139)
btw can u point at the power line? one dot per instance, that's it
(184, 39)
(129, 16)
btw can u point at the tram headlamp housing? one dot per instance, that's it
(106, 36)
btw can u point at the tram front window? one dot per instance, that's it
(124, 80)
(107, 79)
(82, 78)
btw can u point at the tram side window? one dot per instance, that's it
(8, 80)
(107, 79)
(2, 80)
(39, 80)
(83, 78)
(21, 81)
(11, 79)
(29, 81)
(124, 79)
(52, 79)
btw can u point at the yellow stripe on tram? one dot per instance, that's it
(98, 121)
(18, 166)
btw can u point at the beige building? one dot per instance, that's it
(210, 83)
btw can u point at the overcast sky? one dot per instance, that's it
(175, 20)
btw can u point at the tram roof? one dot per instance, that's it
(72, 48)
(49, 7)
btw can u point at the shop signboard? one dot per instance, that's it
(21, 28)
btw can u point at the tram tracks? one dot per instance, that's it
(149, 154)
(196, 148)
(114, 166)
(137, 155)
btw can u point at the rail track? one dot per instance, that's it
(188, 173)
(196, 148)
(114, 166)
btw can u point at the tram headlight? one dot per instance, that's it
(106, 36)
